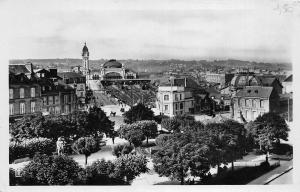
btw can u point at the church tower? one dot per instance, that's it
(85, 63)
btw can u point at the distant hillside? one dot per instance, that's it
(159, 66)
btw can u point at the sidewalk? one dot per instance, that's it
(266, 178)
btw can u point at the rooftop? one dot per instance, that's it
(18, 69)
(70, 75)
(255, 91)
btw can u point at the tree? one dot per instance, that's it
(267, 130)
(138, 113)
(171, 124)
(178, 123)
(27, 127)
(86, 146)
(130, 166)
(132, 133)
(50, 170)
(119, 150)
(101, 172)
(149, 128)
(98, 122)
(183, 152)
(229, 138)
(136, 137)
(162, 139)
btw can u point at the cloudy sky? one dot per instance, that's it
(207, 29)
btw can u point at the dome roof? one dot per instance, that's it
(241, 80)
(85, 49)
(112, 64)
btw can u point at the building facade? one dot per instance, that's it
(77, 82)
(174, 100)
(222, 79)
(253, 101)
(24, 96)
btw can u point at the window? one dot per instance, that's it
(66, 108)
(254, 103)
(248, 103)
(65, 98)
(181, 105)
(261, 103)
(11, 93)
(176, 97)
(22, 108)
(166, 97)
(57, 110)
(56, 99)
(45, 100)
(166, 108)
(21, 92)
(11, 109)
(50, 100)
(81, 94)
(32, 107)
(180, 97)
(32, 92)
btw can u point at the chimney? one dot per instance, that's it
(53, 72)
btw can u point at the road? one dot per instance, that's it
(284, 165)
(286, 178)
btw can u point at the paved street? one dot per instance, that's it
(286, 178)
(284, 165)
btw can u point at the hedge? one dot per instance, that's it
(28, 147)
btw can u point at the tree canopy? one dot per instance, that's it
(137, 113)
(72, 126)
(268, 129)
(86, 146)
(197, 148)
(50, 170)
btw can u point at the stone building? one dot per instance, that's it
(77, 82)
(24, 95)
(58, 97)
(253, 101)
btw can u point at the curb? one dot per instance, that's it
(273, 178)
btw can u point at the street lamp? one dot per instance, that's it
(213, 97)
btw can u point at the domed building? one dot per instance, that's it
(241, 80)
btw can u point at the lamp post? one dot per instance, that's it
(213, 97)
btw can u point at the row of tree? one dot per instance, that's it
(193, 148)
(73, 126)
(63, 170)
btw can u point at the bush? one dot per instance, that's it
(29, 147)
(129, 167)
(51, 170)
(162, 139)
(101, 173)
(119, 150)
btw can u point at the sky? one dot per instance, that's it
(133, 29)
